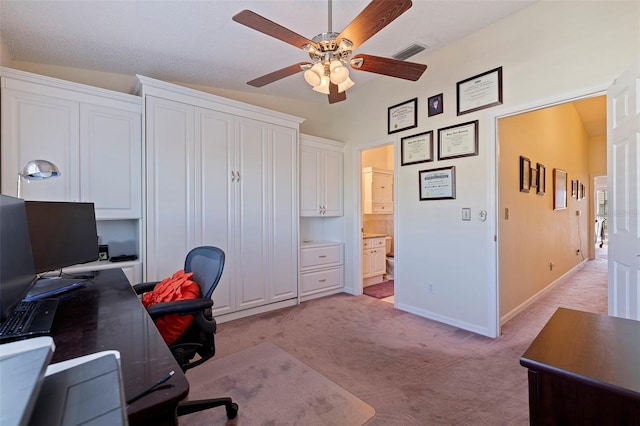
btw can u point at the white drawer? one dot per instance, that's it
(325, 279)
(369, 243)
(319, 256)
(382, 208)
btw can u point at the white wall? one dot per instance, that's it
(547, 49)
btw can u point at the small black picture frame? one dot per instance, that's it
(435, 105)
(525, 174)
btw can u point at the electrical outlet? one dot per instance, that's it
(430, 287)
(551, 266)
(578, 212)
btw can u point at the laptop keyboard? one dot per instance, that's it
(29, 318)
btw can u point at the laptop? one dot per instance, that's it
(19, 319)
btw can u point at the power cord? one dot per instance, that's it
(151, 389)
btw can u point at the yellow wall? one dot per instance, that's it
(535, 235)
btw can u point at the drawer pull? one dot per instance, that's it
(323, 256)
(322, 280)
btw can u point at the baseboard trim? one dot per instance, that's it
(257, 310)
(505, 318)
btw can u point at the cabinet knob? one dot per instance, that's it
(233, 176)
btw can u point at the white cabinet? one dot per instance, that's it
(377, 190)
(321, 177)
(92, 135)
(373, 260)
(218, 175)
(321, 269)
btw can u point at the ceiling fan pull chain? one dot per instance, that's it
(329, 20)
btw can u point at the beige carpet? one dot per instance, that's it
(273, 388)
(411, 370)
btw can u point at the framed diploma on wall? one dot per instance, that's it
(480, 91)
(416, 149)
(438, 184)
(458, 141)
(403, 116)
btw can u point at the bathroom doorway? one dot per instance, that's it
(378, 262)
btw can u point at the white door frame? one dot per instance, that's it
(356, 169)
(493, 323)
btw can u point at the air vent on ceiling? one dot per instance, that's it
(414, 49)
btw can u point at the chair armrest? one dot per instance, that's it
(144, 287)
(184, 307)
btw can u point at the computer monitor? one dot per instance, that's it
(62, 234)
(17, 271)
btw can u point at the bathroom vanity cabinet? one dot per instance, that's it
(373, 258)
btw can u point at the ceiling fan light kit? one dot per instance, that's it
(330, 53)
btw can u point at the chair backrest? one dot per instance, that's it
(206, 263)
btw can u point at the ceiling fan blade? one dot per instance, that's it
(265, 26)
(334, 96)
(377, 15)
(387, 66)
(277, 75)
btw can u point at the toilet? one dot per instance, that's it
(389, 275)
(389, 272)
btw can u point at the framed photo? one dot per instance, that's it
(559, 189)
(437, 184)
(534, 178)
(457, 141)
(574, 188)
(403, 116)
(578, 191)
(434, 105)
(525, 174)
(480, 91)
(581, 191)
(416, 149)
(542, 179)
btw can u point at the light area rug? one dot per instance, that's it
(272, 388)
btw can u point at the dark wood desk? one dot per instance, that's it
(106, 314)
(584, 369)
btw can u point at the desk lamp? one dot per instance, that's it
(37, 170)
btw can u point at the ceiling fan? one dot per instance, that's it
(330, 52)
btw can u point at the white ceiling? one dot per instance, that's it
(197, 42)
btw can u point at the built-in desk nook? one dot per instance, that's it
(584, 369)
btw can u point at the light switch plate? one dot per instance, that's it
(466, 213)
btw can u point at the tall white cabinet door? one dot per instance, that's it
(214, 206)
(283, 190)
(170, 186)
(310, 184)
(110, 153)
(252, 214)
(333, 183)
(54, 138)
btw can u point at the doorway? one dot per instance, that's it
(601, 210)
(545, 231)
(377, 222)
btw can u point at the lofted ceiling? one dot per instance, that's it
(197, 42)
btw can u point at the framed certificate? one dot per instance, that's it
(458, 141)
(416, 149)
(437, 184)
(403, 116)
(480, 91)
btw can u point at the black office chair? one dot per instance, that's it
(207, 264)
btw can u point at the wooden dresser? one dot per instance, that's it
(584, 369)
